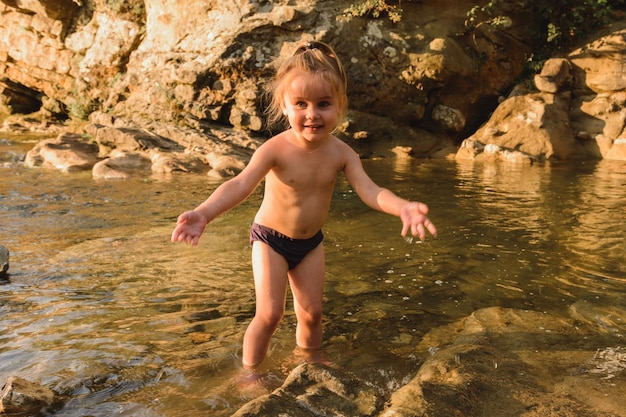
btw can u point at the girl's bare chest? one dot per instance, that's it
(303, 173)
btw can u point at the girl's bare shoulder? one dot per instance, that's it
(279, 140)
(342, 147)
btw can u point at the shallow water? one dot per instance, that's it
(101, 307)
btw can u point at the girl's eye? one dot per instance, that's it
(301, 104)
(323, 104)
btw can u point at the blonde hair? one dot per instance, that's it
(321, 61)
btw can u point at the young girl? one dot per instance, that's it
(300, 167)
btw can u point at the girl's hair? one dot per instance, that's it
(318, 59)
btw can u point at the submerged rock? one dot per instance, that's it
(20, 397)
(4, 261)
(316, 390)
(495, 362)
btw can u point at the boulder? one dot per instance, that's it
(224, 166)
(128, 139)
(577, 113)
(535, 124)
(555, 75)
(125, 164)
(20, 397)
(68, 152)
(598, 66)
(494, 362)
(316, 390)
(167, 162)
(617, 149)
(120, 165)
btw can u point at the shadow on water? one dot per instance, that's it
(102, 308)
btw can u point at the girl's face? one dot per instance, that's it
(311, 106)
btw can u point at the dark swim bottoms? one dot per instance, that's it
(293, 250)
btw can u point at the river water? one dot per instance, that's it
(100, 306)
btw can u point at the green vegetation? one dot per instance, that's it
(373, 8)
(484, 15)
(135, 10)
(80, 107)
(559, 23)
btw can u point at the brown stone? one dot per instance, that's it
(535, 124)
(554, 75)
(599, 65)
(316, 390)
(20, 397)
(68, 152)
(4, 260)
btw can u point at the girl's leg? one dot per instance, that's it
(307, 285)
(270, 285)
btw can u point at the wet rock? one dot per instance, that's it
(4, 261)
(474, 150)
(224, 166)
(68, 152)
(316, 390)
(168, 148)
(606, 316)
(168, 162)
(617, 149)
(502, 362)
(495, 362)
(120, 165)
(128, 139)
(20, 397)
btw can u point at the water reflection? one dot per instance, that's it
(102, 307)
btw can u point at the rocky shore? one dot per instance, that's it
(167, 87)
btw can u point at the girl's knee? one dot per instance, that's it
(310, 317)
(271, 318)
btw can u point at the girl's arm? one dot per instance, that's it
(191, 224)
(412, 214)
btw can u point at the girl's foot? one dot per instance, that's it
(249, 382)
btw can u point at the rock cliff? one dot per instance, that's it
(194, 73)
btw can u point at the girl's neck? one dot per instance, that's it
(305, 144)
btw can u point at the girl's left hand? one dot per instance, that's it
(413, 216)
